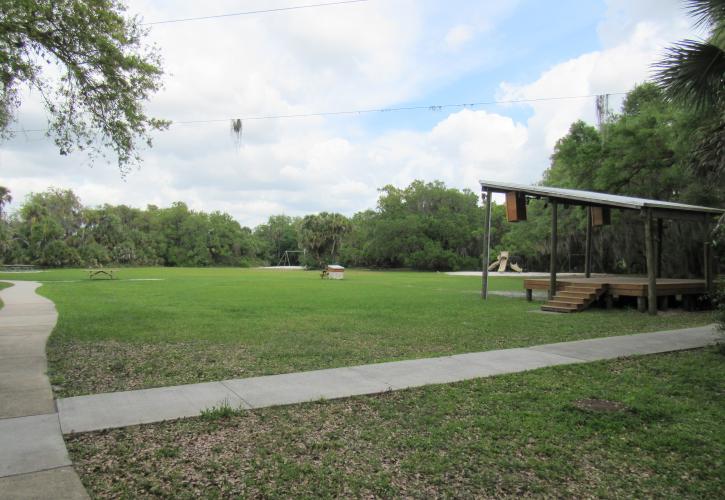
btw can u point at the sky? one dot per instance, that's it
(376, 54)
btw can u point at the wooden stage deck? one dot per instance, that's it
(626, 286)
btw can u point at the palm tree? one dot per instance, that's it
(693, 71)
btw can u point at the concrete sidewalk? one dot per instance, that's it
(119, 409)
(34, 462)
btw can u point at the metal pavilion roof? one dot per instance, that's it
(594, 198)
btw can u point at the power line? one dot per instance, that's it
(250, 12)
(433, 107)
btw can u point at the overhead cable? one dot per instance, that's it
(433, 107)
(250, 12)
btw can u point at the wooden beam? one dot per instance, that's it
(707, 267)
(707, 264)
(554, 242)
(486, 246)
(660, 241)
(588, 246)
(641, 304)
(661, 213)
(649, 246)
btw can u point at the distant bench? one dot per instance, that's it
(96, 273)
(12, 268)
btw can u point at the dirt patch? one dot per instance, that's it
(599, 405)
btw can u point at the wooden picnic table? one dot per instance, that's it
(18, 267)
(95, 273)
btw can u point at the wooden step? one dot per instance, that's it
(579, 289)
(557, 309)
(566, 303)
(575, 295)
(563, 303)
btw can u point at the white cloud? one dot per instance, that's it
(371, 55)
(623, 17)
(458, 36)
(632, 48)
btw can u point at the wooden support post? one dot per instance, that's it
(529, 294)
(649, 246)
(554, 242)
(707, 266)
(664, 302)
(660, 242)
(688, 302)
(642, 304)
(588, 246)
(486, 246)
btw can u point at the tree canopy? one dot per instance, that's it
(423, 226)
(692, 74)
(106, 73)
(54, 229)
(693, 71)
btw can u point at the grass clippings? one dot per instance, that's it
(506, 436)
(78, 368)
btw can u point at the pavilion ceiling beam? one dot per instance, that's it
(659, 213)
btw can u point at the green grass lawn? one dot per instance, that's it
(3, 286)
(508, 436)
(211, 324)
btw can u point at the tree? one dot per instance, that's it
(692, 73)
(5, 198)
(576, 158)
(5, 234)
(321, 236)
(48, 226)
(424, 226)
(107, 73)
(278, 235)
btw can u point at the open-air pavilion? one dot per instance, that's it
(575, 294)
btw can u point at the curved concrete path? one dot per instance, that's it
(34, 462)
(119, 409)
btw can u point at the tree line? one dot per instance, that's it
(54, 229)
(651, 149)
(424, 226)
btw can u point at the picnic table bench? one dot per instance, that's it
(18, 267)
(95, 273)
